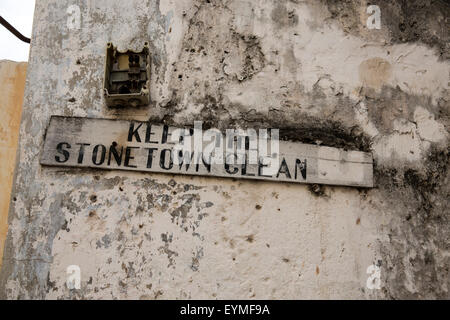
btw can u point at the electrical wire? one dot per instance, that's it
(14, 30)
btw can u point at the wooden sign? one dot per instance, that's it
(146, 147)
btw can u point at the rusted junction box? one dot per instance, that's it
(127, 77)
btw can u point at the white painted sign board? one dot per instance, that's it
(146, 147)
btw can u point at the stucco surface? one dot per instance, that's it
(310, 68)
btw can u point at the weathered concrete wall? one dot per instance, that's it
(12, 85)
(310, 68)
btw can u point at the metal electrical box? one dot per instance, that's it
(127, 77)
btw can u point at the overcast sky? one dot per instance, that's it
(19, 13)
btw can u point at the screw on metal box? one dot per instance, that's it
(127, 77)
